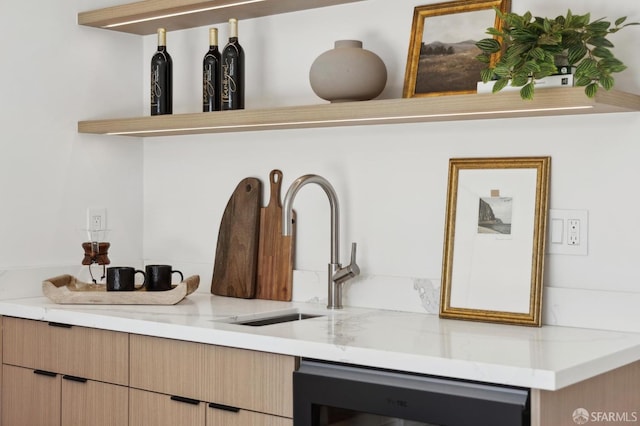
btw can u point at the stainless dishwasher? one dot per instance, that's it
(337, 394)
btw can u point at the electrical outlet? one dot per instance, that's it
(573, 231)
(568, 232)
(97, 219)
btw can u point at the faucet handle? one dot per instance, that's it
(349, 271)
(353, 264)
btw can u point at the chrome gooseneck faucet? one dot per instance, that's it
(337, 274)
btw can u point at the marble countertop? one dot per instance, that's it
(547, 358)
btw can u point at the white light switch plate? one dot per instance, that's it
(568, 232)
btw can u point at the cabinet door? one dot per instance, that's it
(257, 381)
(80, 351)
(155, 409)
(221, 417)
(30, 398)
(615, 392)
(86, 402)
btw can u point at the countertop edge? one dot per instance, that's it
(535, 378)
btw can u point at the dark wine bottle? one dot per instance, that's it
(211, 75)
(233, 70)
(161, 78)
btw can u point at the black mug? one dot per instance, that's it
(122, 278)
(159, 277)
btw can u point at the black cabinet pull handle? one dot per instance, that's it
(59, 324)
(223, 407)
(74, 378)
(45, 373)
(185, 400)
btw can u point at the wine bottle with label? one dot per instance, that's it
(233, 70)
(161, 78)
(212, 75)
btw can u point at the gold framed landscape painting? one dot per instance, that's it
(442, 50)
(495, 232)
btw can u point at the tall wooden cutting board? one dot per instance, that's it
(236, 261)
(275, 251)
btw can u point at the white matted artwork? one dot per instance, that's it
(494, 240)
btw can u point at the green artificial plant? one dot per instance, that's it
(532, 47)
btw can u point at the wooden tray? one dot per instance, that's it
(66, 289)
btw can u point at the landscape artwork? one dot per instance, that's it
(448, 52)
(442, 52)
(494, 215)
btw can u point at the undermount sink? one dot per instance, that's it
(276, 319)
(259, 319)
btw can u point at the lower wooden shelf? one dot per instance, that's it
(548, 102)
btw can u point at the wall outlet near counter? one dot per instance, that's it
(568, 232)
(96, 219)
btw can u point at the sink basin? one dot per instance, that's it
(276, 319)
(273, 317)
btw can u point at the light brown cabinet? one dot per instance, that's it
(615, 391)
(218, 417)
(93, 403)
(54, 374)
(156, 409)
(77, 351)
(41, 398)
(30, 397)
(224, 385)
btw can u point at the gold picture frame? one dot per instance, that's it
(442, 52)
(494, 243)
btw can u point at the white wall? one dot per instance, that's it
(55, 73)
(392, 179)
(165, 196)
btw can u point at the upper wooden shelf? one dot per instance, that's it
(145, 17)
(547, 102)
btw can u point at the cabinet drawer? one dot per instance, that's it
(94, 403)
(78, 351)
(216, 417)
(257, 381)
(154, 409)
(30, 399)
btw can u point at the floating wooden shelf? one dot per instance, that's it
(548, 102)
(145, 17)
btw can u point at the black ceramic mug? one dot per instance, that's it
(159, 277)
(122, 278)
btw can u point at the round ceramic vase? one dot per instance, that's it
(348, 73)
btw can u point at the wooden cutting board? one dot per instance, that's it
(275, 251)
(236, 261)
